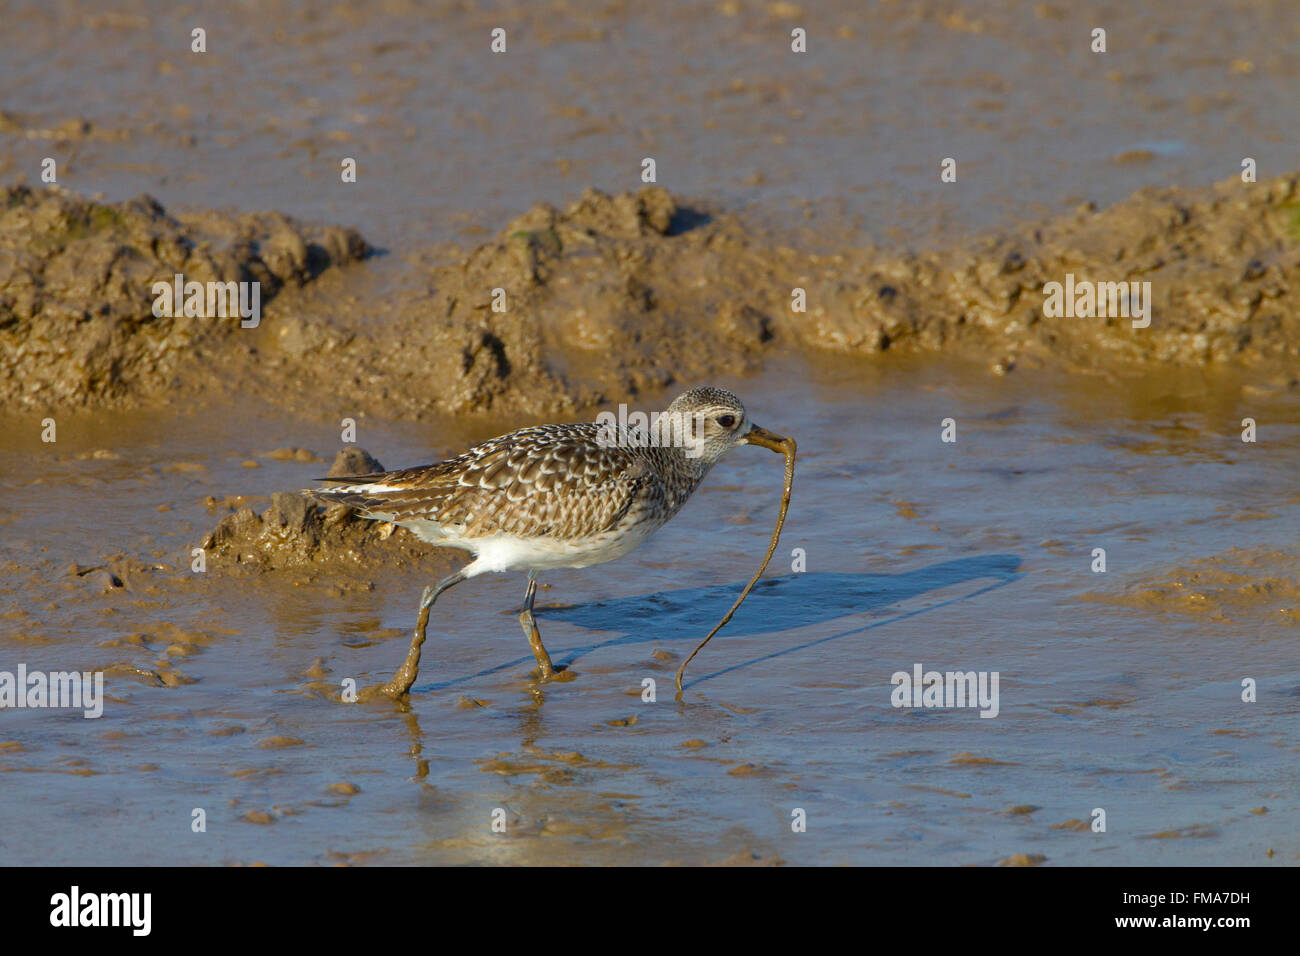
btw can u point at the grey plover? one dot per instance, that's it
(555, 496)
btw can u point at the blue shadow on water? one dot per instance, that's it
(776, 604)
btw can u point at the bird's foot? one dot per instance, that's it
(556, 675)
(398, 688)
(393, 690)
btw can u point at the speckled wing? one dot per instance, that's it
(543, 481)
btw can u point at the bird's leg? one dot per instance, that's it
(530, 629)
(401, 683)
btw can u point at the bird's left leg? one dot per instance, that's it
(529, 625)
(400, 685)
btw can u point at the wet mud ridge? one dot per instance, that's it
(77, 322)
(615, 295)
(296, 531)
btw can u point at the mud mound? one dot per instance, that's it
(295, 531)
(650, 293)
(563, 309)
(621, 288)
(1222, 265)
(1241, 585)
(76, 301)
(576, 285)
(618, 295)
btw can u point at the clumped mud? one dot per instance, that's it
(1242, 585)
(76, 305)
(616, 295)
(596, 300)
(297, 532)
(1222, 264)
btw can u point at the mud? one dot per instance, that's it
(76, 309)
(705, 295)
(615, 296)
(295, 532)
(1241, 587)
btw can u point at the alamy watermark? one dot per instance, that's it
(130, 910)
(949, 689)
(652, 430)
(209, 300)
(65, 690)
(1085, 299)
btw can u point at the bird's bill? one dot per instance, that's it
(766, 439)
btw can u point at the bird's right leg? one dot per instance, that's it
(401, 683)
(534, 636)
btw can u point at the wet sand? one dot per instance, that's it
(1119, 690)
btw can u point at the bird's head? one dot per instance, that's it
(708, 422)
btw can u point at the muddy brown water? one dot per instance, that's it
(1119, 691)
(1116, 693)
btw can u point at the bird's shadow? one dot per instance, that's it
(776, 604)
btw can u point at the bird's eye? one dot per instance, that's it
(726, 421)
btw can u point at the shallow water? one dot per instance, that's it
(966, 556)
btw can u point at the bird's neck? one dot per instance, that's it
(681, 473)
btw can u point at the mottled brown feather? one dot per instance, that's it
(541, 481)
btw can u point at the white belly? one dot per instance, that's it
(506, 552)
